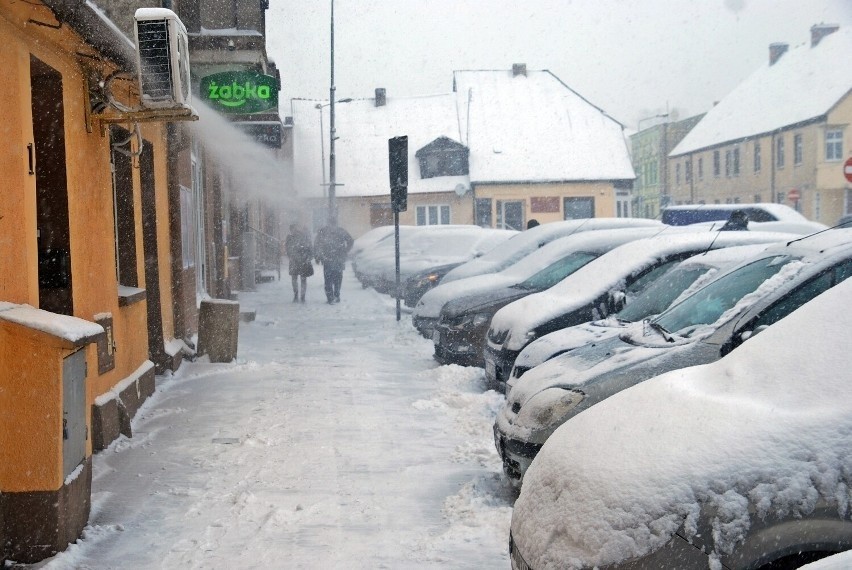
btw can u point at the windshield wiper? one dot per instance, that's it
(661, 330)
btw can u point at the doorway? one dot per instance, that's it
(55, 292)
(156, 343)
(510, 215)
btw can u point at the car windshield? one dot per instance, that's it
(660, 294)
(707, 304)
(556, 272)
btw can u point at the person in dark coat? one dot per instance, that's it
(299, 251)
(331, 246)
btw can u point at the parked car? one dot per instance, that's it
(745, 463)
(532, 239)
(428, 310)
(425, 248)
(700, 329)
(684, 215)
(688, 276)
(459, 334)
(599, 289)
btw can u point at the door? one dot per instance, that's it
(55, 292)
(74, 432)
(156, 346)
(510, 215)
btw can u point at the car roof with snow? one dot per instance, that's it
(608, 272)
(756, 410)
(592, 241)
(533, 238)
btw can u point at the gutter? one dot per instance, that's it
(96, 29)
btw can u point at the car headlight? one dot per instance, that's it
(473, 320)
(548, 408)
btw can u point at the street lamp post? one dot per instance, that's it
(319, 107)
(332, 163)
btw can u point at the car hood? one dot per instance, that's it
(542, 349)
(583, 368)
(430, 304)
(488, 301)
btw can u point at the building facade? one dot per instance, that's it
(781, 136)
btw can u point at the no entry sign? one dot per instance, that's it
(793, 195)
(847, 169)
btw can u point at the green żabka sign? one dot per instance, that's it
(240, 91)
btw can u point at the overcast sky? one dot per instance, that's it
(632, 58)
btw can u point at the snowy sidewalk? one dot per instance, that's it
(335, 441)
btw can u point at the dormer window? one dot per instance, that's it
(443, 157)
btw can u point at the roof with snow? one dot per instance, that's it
(533, 127)
(803, 85)
(523, 128)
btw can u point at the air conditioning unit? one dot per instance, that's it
(162, 59)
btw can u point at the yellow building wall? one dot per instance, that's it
(90, 203)
(18, 244)
(31, 458)
(603, 193)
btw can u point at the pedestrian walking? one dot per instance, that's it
(299, 251)
(331, 246)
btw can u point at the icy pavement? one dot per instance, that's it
(334, 441)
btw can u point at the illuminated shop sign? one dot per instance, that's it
(240, 91)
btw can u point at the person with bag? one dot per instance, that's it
(299, 252)
(331, 247)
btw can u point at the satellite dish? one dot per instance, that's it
(461, 189)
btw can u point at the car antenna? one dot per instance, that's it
(709, 247)
(816, 233)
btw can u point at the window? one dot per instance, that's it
(653, 176)
(757, 199)
(716, 164)
(817, 206)
(737, 161)
(482, 213)
(834, 144)
(124, 212)
(381, 215)
(687, 167)
(677, 173)
(798, 150)
(187, 233)
(757, 156)
(579, 208)
(728, 164)
(779, 152)
(701, 168)
(432, 215)
(442, 157)
(848, 208)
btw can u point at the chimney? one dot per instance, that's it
(776, 50)
(381, 97)
(519, 69)
(819, 31)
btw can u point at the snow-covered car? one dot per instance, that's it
(530, 240)
(428, 309)
(745, 463)
(687, 277)
(703, 327)
(684, 215)
(427, 247)
(602, 287)
(459, 334)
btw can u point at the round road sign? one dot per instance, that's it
(793, 195)
(847, 169)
